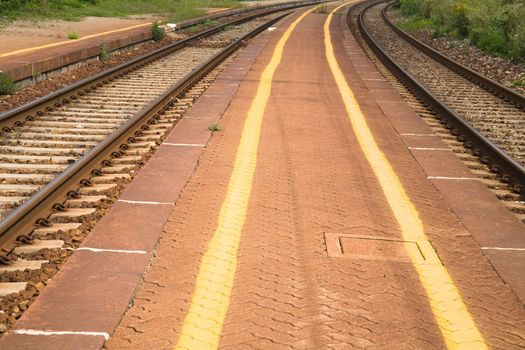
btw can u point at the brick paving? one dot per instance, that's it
(312, 180)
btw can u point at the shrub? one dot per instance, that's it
(491, 39)
(7, 86)
(495, 26)
(73, 35)
(104, 52)
(158, 33)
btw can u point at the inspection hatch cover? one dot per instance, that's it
(371, 248)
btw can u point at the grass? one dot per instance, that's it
(520, 83)
(494, 26)
(204, 25)
(416, 23)
(7, 86)
(77, 9)
(73, 35)
(214, 127)
(323, 9)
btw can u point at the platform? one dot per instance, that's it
(324, 214)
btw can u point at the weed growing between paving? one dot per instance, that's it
(214, 127)
(73, 35)
(7, 86)
(495, 26)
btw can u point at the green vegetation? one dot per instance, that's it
(214, 127)
(202, 26)
(7, 86)
(495, 26)
(104, 52)
(520, 83)
(158, 33)
(416, 24)
(73, 35)
(76, 9)
(323, 9)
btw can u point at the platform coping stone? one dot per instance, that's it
(47, 333)
(144, 202)
(504, 249)
(428, 149)
(99, 250)
(451, 178)
(183, 144)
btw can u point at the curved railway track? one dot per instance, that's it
(85, 139)
(481, 120)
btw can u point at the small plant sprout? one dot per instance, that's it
(73, 35)
(520, 83)
(214, 127)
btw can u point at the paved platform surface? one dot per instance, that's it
(304, 225)
(318, 262)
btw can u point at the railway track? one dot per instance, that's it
(480, 120)
(65, 157)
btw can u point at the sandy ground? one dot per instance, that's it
(24, 34)
(20, 35)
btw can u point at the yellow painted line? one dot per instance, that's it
(455, 322)
(203, 324)
(47, 46)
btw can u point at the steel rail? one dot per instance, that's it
(510, 170)
(20, 223)
(486, 83)
(63, 96)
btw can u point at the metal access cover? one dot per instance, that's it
(372, 248)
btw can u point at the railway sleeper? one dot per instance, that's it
(37, 245)
(86, 201)
(57, 229)
(73, 215)
(22, 265)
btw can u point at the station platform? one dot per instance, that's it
(324, 214)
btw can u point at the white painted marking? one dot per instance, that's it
(429, 149)
(144, 202)
(500, 248)
(271, 29)
(418, 135)
(450, 178)
(98, 250)
(37, 332)
(184, 144)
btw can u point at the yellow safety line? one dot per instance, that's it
(70, 41)
(203, 324)
(451, 314)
